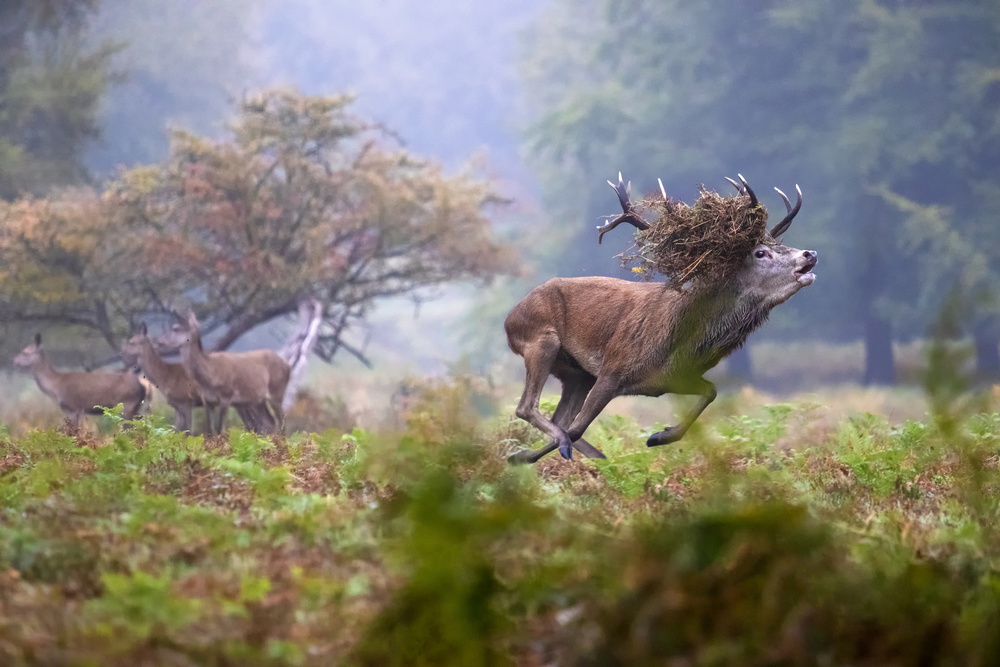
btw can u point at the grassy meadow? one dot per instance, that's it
(843, 527)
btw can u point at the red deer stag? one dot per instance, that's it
(604, 337)
(79, 393)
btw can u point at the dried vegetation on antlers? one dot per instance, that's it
(702, 242)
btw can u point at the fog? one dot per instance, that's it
(887, 119)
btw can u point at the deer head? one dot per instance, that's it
(131, 349)
(181, 334)
(31, 355)
(770, 274)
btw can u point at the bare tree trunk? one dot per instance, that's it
(297, 350)
(987, 354)
(739, 365)
(880, 364)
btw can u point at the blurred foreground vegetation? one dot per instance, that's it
(759, 539)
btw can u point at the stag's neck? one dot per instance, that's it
(726, 319)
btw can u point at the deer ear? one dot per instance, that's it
(38, 339)
(192, 320)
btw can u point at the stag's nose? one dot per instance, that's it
(810, 254)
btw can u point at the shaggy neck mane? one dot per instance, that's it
(724, 318)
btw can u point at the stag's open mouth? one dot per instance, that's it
(804, 276)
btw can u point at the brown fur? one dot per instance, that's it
(78, 393)
(604, 337)
(179, 390)
(232, 378)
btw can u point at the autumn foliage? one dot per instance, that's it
(302, 199)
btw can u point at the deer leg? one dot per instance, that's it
(208, 408)
(129, 411)
(574, 394)
(600, 394)
(706, 390)
(539, 358)
(223, 411)
(256, 417)
(182, 418)
(279, 416)
(267, 422)
(604, 389)
(247, 416)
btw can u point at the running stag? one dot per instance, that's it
(604, 337)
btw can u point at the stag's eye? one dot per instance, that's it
(760, 254)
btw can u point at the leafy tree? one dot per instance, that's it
(51, 83)
(885, 112)
(304, 199)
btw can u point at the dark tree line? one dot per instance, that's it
(51, 84)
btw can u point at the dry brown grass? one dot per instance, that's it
(704, 241)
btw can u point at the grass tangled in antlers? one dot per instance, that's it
(704, 242)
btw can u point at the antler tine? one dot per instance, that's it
(628, 215)
(753, 197)
(739, 188)
(666, 199)
(786, 222)
(624, 192)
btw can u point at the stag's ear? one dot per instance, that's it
(143, 331)
(38, 339)
(192, 320)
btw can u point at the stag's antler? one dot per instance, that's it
(628, 215)
(782, 226)
(792, 211)
(744, 189)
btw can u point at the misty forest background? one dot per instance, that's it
(416, 167)
(887, 114)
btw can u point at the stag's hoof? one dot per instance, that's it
(665, 437)
(520, 458)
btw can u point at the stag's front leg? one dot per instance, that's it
(604, 389)
(575, 390)
(707, 393)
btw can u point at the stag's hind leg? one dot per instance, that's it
(576, 385)
(539, 358)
